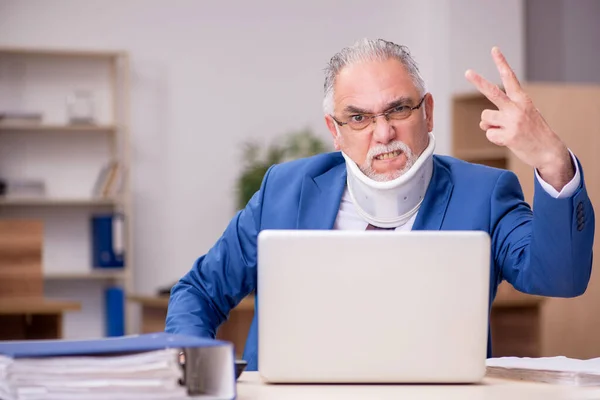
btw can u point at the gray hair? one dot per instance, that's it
(368, 50)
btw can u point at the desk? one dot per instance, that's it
(250, 387)
(33, 318)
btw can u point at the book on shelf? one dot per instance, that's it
(108, 246)
(114, 306)
(110, 181)
(20, 118)
(22, 188)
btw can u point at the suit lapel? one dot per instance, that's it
(320, 198)
(433, 209)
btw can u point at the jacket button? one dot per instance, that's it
(580, 226)
(580, 206)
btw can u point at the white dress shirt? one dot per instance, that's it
(348, 219)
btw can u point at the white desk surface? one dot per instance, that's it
(250, 387)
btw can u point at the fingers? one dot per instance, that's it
(485, 126)
(509, 79)
(488, 89)
(496, 136)
(492, 118)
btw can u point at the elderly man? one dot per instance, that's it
(385, 176)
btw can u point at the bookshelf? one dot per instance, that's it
(46, 90)
(524, 325)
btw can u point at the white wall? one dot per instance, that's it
(476, 26)
(208, 75)
(567, 35)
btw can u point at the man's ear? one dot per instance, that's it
(429, 111)
(331, 125)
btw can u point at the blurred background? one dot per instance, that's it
(132, 131)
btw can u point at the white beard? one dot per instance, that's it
(367, 167)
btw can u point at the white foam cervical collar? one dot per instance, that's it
(391, 204)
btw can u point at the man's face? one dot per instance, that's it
(384, 149)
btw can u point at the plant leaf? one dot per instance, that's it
(298, 144)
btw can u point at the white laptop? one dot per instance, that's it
(372, 306)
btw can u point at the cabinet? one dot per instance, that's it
(551, 326)
(64, 118)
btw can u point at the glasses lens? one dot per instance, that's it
(359, 123)
(402, 112)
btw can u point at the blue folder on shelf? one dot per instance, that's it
(207, 365)
(114, 311)
(107, 240)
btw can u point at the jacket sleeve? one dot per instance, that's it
(547, 251)
(220, 279)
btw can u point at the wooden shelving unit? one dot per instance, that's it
(69, 158)
(524, 325)
(469, 143)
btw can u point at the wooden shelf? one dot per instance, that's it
(87, 276)
(57, 52)
(32, 305)
(247, 303)
(473, 155)
(60, 202)
(472, 95)
(48, 128)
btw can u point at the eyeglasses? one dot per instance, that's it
(358, 122)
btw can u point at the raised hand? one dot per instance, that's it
(519, 126)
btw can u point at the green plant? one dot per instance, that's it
(257, 160)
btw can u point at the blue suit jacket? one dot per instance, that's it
(548, 253)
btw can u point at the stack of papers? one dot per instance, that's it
(558, 370)
(151, 366)
(149, 375)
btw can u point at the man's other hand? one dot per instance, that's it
(519, 126)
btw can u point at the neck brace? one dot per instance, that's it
(392, 203)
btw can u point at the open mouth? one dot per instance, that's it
(387, 156)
